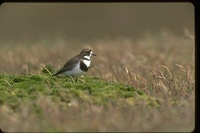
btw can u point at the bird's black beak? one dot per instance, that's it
(94, 55)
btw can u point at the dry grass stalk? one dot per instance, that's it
(181, 67)
(167, 71)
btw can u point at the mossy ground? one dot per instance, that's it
(18, 89)
(24, 92)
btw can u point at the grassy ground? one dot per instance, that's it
(133, 85)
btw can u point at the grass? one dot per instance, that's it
(95, 90)
(17, 91)
(133, 85)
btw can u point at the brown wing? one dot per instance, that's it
(68, 66)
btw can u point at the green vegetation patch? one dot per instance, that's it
(15, 90)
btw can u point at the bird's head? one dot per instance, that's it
(87, 52)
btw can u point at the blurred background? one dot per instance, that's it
(84, 22)
(35, 34)
(149, 46)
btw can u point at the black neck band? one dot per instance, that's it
(86, 59)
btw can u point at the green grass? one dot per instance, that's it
(14, 90)
(24, 92)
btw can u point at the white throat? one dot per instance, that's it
(87, 57)
(87, 60)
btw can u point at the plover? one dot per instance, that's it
(78, 65)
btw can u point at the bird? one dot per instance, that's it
(78, 65)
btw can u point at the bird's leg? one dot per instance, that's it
(72, 79)
(81, 80)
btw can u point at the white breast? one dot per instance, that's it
(75, 72)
